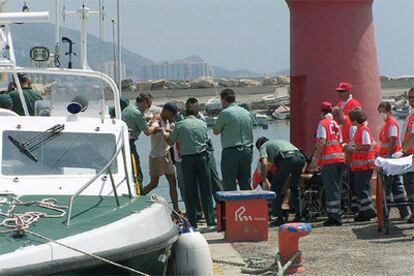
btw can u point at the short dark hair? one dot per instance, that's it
(228, 95)
(411, 90)
(191, 100)
(260, 142)
(385, 105)
(144, 97)
(357, 115)
(192, 110)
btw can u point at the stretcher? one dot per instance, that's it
(389, 167)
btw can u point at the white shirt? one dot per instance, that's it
(343, 103)
(321, 131)
(158, 145)
(392, 131)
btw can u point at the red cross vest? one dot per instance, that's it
(351, 104)
(332, 151)
(385, 140)
(407, 131)
(362, 161)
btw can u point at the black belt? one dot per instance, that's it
(196, 154)
(240, 147)
(286, 154)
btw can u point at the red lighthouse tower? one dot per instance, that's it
(331, 41)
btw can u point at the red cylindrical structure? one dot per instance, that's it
(331, 41)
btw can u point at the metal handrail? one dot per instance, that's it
(105, 168)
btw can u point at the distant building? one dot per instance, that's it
(109, 70)
(174, 71)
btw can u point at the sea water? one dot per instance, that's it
(276, 130)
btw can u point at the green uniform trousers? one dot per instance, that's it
(291, 165)
(196, 176)
(235, 167)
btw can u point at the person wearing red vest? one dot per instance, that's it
(362, 157)
(408, 148)
(347, 103)
(330, 156)
(390, 144)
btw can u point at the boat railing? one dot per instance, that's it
(106, 168)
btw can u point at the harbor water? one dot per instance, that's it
(276, 130)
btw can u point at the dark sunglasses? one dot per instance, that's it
(411, 97)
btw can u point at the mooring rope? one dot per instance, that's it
(20, 223)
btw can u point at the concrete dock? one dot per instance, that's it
(352, 249)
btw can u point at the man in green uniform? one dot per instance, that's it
(6, 101)
(289, 161)
(134, 118)
(191, 134)
(30, 96)
(124, 102)
(235, 124)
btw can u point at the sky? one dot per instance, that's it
(243, 34)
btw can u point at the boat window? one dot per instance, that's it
(65, 154)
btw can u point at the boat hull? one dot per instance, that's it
(139, 234)
(149, 257)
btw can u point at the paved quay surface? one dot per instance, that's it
(352, 249)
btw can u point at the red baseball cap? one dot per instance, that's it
(326, 106)
(344, 86)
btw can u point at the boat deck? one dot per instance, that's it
(89, 212)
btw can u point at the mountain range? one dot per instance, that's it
(27, 36)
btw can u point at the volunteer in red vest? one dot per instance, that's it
(330, 157)
(347, 103)
(390, 144)
(362, 151)
(408, 148)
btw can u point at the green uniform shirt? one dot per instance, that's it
(191, 134)
(30, 97)
(236, 126)
(134, 120)
(272, 148)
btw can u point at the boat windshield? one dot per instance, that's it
(65, 154)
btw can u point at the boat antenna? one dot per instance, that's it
(114, 49)
(56, 57)
(70, 53)
(119, 46)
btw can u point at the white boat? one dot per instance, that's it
(213, 105)
(401, 112)
(272, 100)
(68, 202)
(281, 113)
(260, 119)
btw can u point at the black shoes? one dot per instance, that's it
(332, 222)
(279, 221)
(299, 219)
(366, 216)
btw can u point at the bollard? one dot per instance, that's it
(289, 235)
